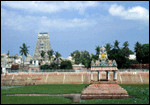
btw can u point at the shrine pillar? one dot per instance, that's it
(107, 75)
(115, 76)
(99, 76)
(91, 76)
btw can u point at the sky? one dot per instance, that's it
(73, 25)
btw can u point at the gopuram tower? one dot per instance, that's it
(43, 43)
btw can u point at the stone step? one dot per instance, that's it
(85, 97)
(105, 82)
(104, 91)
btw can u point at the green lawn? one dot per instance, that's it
(138, 94)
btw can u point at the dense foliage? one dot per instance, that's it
(50, 53)
(53, 66)
(142, 52)
(66, 65)
(82, 57)
(121, 55)
(42, 54)
(47, 67)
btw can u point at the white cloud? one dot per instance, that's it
(50, 7)
(134, 13)
(13, 20)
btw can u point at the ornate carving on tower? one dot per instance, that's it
(103, 60)
(43, 43)
(103, 54)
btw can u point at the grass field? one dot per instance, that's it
(138, 94)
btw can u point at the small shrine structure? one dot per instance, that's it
(104, 64)
(104, 90)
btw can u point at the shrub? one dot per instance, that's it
(66, 65)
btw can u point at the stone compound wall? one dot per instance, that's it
(139, 66)
(72, 78)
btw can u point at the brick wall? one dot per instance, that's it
(72, 78)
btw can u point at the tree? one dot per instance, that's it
(53, 66)
(126, 50)
(97, 51)
(119, 54)
(24, 51)
(145, 53)
(122, 61)
(126, 44)
(137, 49)
(116, 44)
(76, 56)
(85, 58)
(112, 54)
(42, 54)
(57, 55)
(66, 65)
(44, 67)
(82, 57)
(93, 57)
(50, 53)
(108, 48)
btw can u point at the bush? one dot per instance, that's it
(66, 65)
(53, 66)
(44, 67)
(134, 62)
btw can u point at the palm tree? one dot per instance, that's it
(42, 54)
(24, 51)
(116, 44)
(50, 53)
(108, 47)
(137, 49)
(97, 51)
(57, 55)
(126, 49)
(125, 44)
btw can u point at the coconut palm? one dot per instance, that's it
(108, 47)
(57, 55)
(137, 49)
(126, 44)
(97, 51)
(50, 53)
(24, 51)
(126, 50)
(116, 44)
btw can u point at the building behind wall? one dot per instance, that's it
(43, 43)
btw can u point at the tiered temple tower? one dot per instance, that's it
(43, 43)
